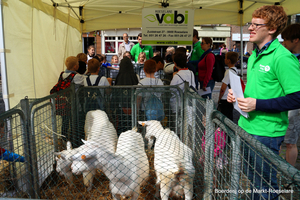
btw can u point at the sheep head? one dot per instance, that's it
(153, 127)
(63, 162)
(85, 159)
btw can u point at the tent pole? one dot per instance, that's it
(3, 62)
(242, 50)
(241, 12)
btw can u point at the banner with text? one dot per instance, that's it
(167, 27)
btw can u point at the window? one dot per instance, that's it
(112, 43)
(219, 39)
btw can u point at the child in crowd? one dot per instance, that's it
(170, 50)
(105, 63)
(141, 58)
(72, 65)
(68, 76)
(114, 62)
(219, 145)
(159, 66)
(183, 75)
(128, 54)
(94, 79)
(82, 59)
(223, 106)
(150, 68)
(156, 53)
(91, 52)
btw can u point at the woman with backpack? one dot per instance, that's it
(205, 66)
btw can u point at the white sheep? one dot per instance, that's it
(127, 169)
(63, 165)
(172, 162)
(98, 129)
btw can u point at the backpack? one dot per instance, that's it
(219, 68)
(191, 86)
(61, 103)
(93, 100)
(154, 108)
(242, 82)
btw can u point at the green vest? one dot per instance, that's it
(197, 51)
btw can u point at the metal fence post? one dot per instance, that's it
(73, 111)
(133, 102)
(54, 125)
(29, 148)
(185, 119)
(236, 166)
(209, 151)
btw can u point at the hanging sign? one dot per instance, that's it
(167, 27)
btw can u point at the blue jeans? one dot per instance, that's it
(210, 84)
(260, 172)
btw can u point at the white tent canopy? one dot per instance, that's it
(40, 34)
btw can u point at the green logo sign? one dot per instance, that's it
(168, 18)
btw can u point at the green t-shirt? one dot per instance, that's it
(136, 50)
(197, 51)
(273, 73)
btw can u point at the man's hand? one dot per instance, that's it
(247, 104)
(204, 88)
(230, 97)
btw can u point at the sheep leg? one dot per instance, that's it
(136, 193)
(165, 186)
(88, 178)
(157, 186)
(115, 196)
(69, 177)
(188, 189)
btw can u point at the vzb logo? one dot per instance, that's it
(168, 18)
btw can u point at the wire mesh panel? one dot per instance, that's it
(13, 155)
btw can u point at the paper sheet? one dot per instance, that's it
(236, 87)
(202, 92)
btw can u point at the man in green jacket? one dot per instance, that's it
(138, 48)
(272, 89)
(196, 53)
(197, 50)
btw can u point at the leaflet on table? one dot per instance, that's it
(202, 92)
(235, 83)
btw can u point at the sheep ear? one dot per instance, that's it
(84, 141)
(80, 156)
(57, 154)
(69, 145)
(143, 123)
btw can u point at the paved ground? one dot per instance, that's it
(236, 115)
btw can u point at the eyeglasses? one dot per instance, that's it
(203, 43)
(254, 25)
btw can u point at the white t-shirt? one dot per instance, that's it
(186, 75)
(103, 81)
(226, 80)
(149, 81)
